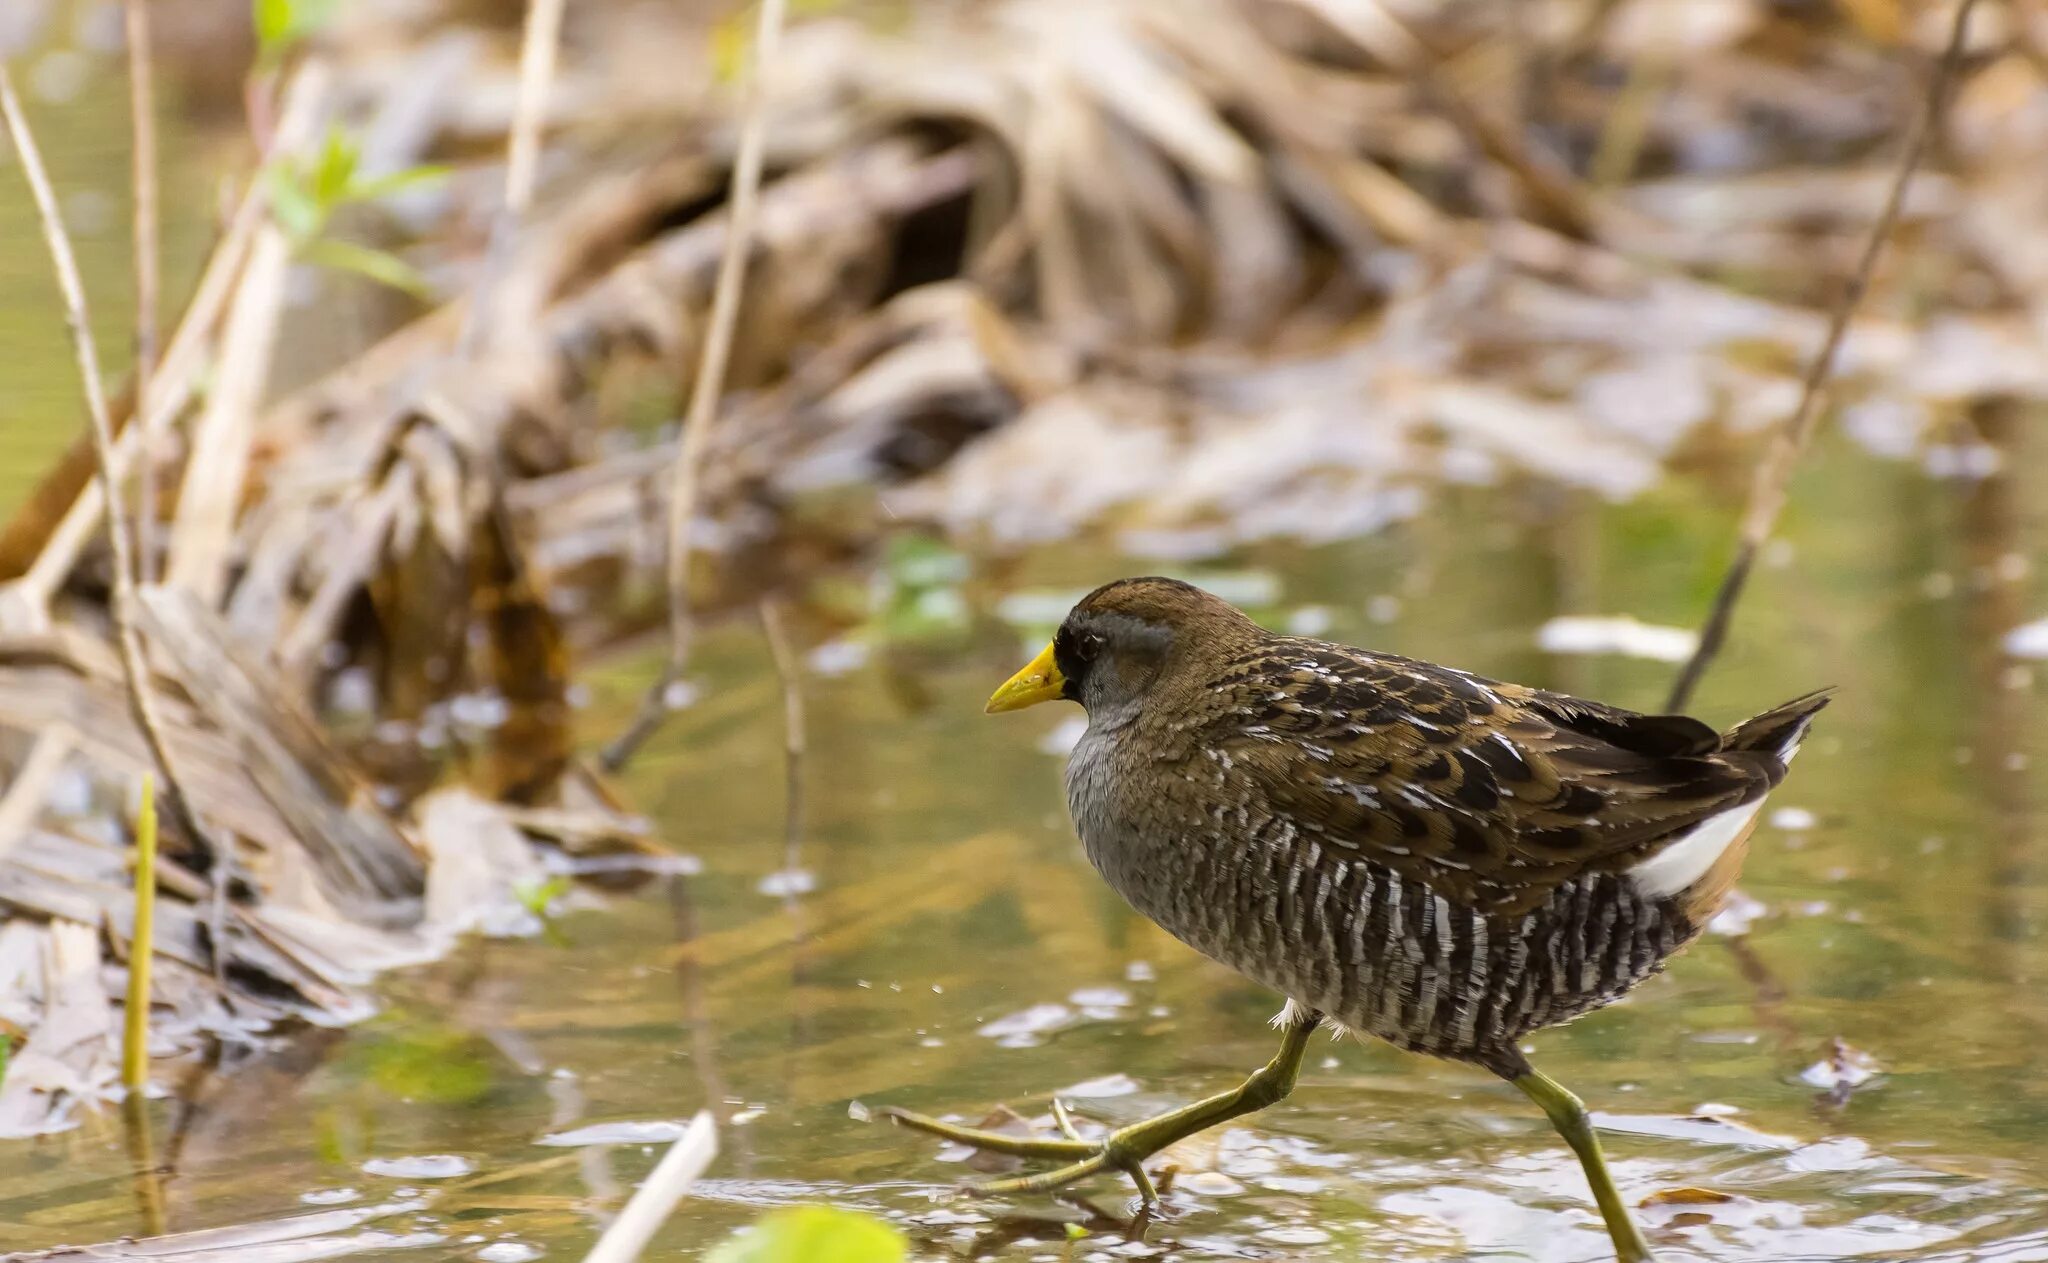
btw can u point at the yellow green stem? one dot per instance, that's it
(1568, 1115)
(142, 945)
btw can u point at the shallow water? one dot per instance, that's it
(74, 94)
(958, 952)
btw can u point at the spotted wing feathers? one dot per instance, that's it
(1492, 793)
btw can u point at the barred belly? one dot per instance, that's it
(1385, 955)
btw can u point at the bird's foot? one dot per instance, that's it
(1124, 1149)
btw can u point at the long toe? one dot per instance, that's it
(993, 1141)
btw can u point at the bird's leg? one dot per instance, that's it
(1568, 1114)
(1126, 1148)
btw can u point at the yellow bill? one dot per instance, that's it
(1039, 681)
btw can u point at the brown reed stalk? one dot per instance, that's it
(148, 271)
(1767, 489)
(537, 50)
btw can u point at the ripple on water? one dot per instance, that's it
(618, 1133)
(1103, 1086)
(434, 1166)
(1028, 1028)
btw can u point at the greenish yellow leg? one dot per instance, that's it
(1568, 1114)
(1126, 1148)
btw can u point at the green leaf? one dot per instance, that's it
(814, 1234)
(336, 169)
(383, 186)
(283, 23)
(535, 896)
(379, 265)
(730, 40)
(291, 205)
(273, 21)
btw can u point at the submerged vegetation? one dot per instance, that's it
(508, 334)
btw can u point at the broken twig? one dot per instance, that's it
(1774, 472)
(672, 1177)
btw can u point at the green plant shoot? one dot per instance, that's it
(142, 945)
(282, 24)
(537, 896)
(306, 193)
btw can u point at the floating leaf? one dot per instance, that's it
(814, 1234)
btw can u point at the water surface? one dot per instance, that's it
(958, 953)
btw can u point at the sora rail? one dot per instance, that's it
(1403, 850)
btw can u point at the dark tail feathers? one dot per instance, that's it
(1779, 730)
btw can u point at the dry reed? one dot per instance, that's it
(134, 668)
(709, 384)
(1767, 492)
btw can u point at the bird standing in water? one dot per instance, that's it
(1403, 850)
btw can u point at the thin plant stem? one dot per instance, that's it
(134, 668)
(789, 672)
(186, 357)
(141, 946)
(709, 385)
(1767, 491)
(148, 274)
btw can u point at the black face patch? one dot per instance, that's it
(1122, 649)
(1075, 649)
